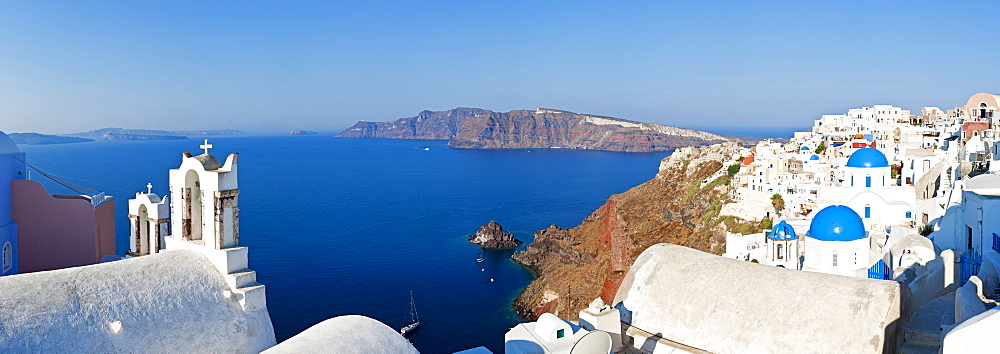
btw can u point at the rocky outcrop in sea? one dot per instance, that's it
(492, 235)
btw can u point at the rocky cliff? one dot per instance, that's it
(576, 265)
(471, 128)
(430, 125)
(492, 235)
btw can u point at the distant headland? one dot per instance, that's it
(115, 134)
(474, 128)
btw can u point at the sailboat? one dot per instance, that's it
(414, 318)
(480, 259)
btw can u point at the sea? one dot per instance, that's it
(339, 226)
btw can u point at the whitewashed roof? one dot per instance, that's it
(172, 302)
(984, 184)
(346, 334)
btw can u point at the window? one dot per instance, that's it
(868, 181)
(909, 215)
(835, 259)
(560, 333)
(868, 211)
(779, 252)
(8, 257)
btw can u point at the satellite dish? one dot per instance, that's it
(596, 342)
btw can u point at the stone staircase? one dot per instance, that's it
(922, 334)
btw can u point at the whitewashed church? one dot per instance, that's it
(868, 189)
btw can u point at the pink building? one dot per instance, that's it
(61, 231)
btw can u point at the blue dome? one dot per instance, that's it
(804, 148)
(814, 158)
(867, 157)
(836, 223)
(782, 231)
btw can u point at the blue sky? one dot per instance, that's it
(274, 66)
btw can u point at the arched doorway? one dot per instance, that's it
(142, 223)
(192, 219)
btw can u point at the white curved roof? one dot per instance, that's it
(7, 145)
(984, 184)
(346, 334)
(548, 324)
(172, 302)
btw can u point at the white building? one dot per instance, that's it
(981, 212)
(553, 335)
(746, 247)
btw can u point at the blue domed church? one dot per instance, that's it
(867, 188)
(837, 242)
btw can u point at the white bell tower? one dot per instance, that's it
(149, 221)
(205, 195)
(205, 217)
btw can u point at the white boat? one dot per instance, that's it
(414, 318)
(480, 259)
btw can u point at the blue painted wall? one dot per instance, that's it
(11, 168)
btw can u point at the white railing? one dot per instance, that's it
(98, 199)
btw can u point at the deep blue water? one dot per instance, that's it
(350, 226)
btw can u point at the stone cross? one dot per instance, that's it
(149, 188)
(206, 146)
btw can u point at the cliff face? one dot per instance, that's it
(430, 125)
(578, 264)
(469, 128)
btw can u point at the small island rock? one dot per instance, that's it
(492, 235)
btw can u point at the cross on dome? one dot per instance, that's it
(206, 146)
(149, 188)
